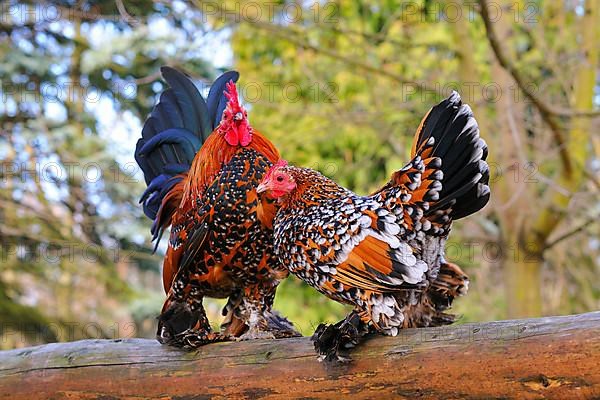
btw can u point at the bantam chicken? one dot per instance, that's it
(384, 254)
(202, 162)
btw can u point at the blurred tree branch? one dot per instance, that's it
(593, 220)
(547, 114)
(543, 106)
(296, 36)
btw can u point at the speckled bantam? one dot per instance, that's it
(384, 253)
(202, 162)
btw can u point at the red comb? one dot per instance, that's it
(234, 122)
(278, 164)
(232, 95)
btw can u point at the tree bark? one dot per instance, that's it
(550, 358)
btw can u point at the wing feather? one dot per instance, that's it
(379, 262)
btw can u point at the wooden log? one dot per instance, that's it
(545, 358)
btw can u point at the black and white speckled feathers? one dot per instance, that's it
(356, 249)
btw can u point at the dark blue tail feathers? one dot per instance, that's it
(174, 132)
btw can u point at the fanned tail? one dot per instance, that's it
(172, 135)
(447, 178)
(450, 132)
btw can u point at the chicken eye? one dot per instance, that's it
(279, 178)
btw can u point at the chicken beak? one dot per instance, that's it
(263, 187)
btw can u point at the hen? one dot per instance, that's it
(202, 162)
(384, 253)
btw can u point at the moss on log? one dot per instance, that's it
(554, 358)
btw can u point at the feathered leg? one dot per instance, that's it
(263, 322)
(233, 323)
(331, 341)
(239, 311)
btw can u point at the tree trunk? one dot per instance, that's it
(550, 358)
(523, 272)
(511, 191)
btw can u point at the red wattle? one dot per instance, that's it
(232, 137)
(246, 138)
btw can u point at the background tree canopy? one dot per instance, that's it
(339, 86)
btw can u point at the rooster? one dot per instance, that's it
(202, 162)
(384, 253)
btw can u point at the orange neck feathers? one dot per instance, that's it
(216, 152)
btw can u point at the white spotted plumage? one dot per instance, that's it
(314, 237)
(384, 253)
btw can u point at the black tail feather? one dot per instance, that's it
(457, 143)
(190, 101)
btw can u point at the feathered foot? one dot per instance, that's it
(234, 322)
(253, 309)
(280, 326)
(193, 339)
(332, 341)
(269, 325)
(255, 334)
(184, 324)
